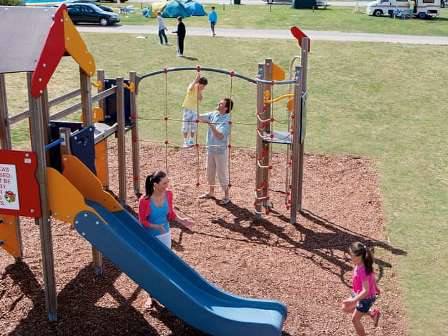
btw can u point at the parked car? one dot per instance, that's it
(90, 13)
(121, 1)
(422, 9)
(93, 2)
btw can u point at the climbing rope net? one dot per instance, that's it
(264, 130)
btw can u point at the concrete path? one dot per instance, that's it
(277, 34)
(261, 2)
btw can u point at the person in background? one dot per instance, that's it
(161, 28)
(181, 32)
(213, 19)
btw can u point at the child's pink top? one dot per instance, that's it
(359, 276)
(144, 209)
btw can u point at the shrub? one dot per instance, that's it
(11, 2)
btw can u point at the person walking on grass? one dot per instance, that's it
(190, 109)
(181, 32)
(213, 19)
(364, 287)
(217, 148)
(161, 29)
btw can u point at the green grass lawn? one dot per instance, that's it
(386, 102)
(283, 17)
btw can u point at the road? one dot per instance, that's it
(277, 34)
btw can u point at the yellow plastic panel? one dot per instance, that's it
(101, 163)
(76, 47)
(64, 200)
(8, 234)
(87, 183)
(277, 72)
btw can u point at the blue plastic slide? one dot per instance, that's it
(172, 282)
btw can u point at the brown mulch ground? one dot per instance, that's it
(304, 265)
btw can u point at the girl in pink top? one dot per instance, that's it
(364, 286)
(155, 208)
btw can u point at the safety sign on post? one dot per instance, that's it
(9, 193)
(19, 188)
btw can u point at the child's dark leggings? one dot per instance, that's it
(163, 35)
(180, 44)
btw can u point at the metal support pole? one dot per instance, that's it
(296, 148)
(303, 78)
(6, 143)
(134, 133)
(86, 98)
(259, 142)
(100, 76)
(38, 146)
(264, 112)
(5, 135)
(121, 142)
(86, 102)
(299, 136)
(65, 133)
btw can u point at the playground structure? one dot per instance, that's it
(66, 173)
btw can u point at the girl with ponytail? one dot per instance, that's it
(364, 287)
(155, 208)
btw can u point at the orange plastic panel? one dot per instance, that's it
(101, 163)
(8, 234)
(88, 184)
(98, 114)
(64, 200)
(76, 47)
(277, 72)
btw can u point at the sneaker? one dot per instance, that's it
(190, 142)
(224, 201)
(376, 314)
(148, 303)
(185, 144)
(206, 196)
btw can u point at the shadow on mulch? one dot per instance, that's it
(77, 309)
(337, 239)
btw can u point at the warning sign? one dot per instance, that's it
(19, 188)
(9, 194)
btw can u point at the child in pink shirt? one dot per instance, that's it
(364, 287)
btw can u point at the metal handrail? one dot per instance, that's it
(217, 70)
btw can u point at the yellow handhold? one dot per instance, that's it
(97, 84)
(76, 47)
(87, 183)
(270, 101)
(130, 87)
(64, 200)
(8, 234)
